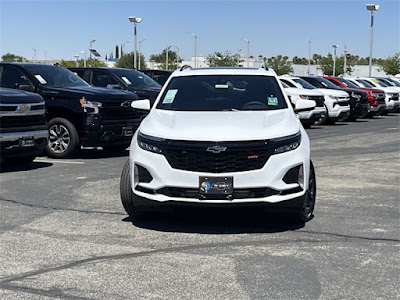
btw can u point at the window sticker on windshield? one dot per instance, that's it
(127, 81)
(222, 86)
(272, 100)
(375, 80)
(170, 96)
(41, 79)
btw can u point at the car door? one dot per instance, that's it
(101, 78)
(14, 78)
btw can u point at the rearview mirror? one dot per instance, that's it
(143, 105)
(304, 105)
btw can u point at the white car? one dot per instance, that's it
(391, 93)
(220, 136)
(337, 102)
(307, 118)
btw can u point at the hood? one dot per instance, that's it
(11, 96)
(90, 92)
(355, 91)
(305, 92)
(337, 93)
(220, 126)
(143, 93)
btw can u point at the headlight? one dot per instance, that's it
(375, 95)
(304, 97)
(150, 143)
(333, 97)
(287, 143)
(90, 106)
(389, 94)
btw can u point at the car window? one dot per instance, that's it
(288, 82)
(102, 79)
(222, 93)
(348, 83)
(136, 79)
(365, 83)
(304, 84)
(12, 78)
(55, 77)
(380, 82)
(333, 81)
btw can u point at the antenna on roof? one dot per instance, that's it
(265, 66)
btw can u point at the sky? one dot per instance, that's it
(60, 29)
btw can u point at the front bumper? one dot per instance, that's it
(11, 145)
(185, 184)
(310, 117)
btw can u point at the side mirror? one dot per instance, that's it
(143, 105)
(26, 87)
(304, 105)
(114, 86)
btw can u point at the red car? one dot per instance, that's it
(376, 97)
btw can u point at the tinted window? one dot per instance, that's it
(365, 83)
(304, 84)
(288, 83)
(334, 82)
(12, 78)
(136, 79)
(102, 79)
(348, 83)
(55, 77)
(222, 93)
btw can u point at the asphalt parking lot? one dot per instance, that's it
(64, 233)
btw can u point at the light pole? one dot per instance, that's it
(238, 58)
(177, 56)
(34, 55)
(139, 50)
(77, 63)
(135, 20)
(372, 8)
(248, 51)
(84, 58)
(166, 58)
(195, 50)
(334, 57)
(309, 57)
(90, 52)
(345, 61)
(124, 46)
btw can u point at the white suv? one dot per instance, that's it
(337, 102)
(220, 136)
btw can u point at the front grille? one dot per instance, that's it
(319, 100)
(395, 97)
(113, 111)
(238, 157)
(16, 123)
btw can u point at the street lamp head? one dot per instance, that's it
(335, 46)
(92, 41)
(135, 19)
(372, 7)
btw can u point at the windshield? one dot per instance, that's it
(55, 77)
(380, 82)
(284, 85)
(365, 83)
(136, 79)
(324, 83)
(222, 93)
(304, 84)
(394, 82)
(348, 83)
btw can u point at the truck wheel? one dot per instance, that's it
(306, 211)
(128, 198)
(63, 139)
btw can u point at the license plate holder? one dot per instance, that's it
(216, 187)
(27, 141)
(127, 131)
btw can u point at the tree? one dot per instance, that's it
(9, 57)
(81, 63)
(126, 61)
(280, 64)
(301, 60)
(219, 59)
(391, 65)
(173, 59)
(326, 65)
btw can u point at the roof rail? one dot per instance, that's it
(184, 67)
(265, 66)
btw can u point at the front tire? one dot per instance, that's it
(306, 211)
(63, 139)
(128, 198)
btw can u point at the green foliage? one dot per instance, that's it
(9, 57)
(173, 59)
(326, 65)
(81, 63)
(219, 59)
(280, 64)
(126, 61)
(301, 60)
(391, 65)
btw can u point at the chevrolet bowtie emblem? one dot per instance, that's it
(216, 149)
(23, 108)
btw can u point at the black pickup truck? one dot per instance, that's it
(77, 114)
(23, 126)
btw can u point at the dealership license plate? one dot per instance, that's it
(27, 142)
(216, 186)
(127, 131)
